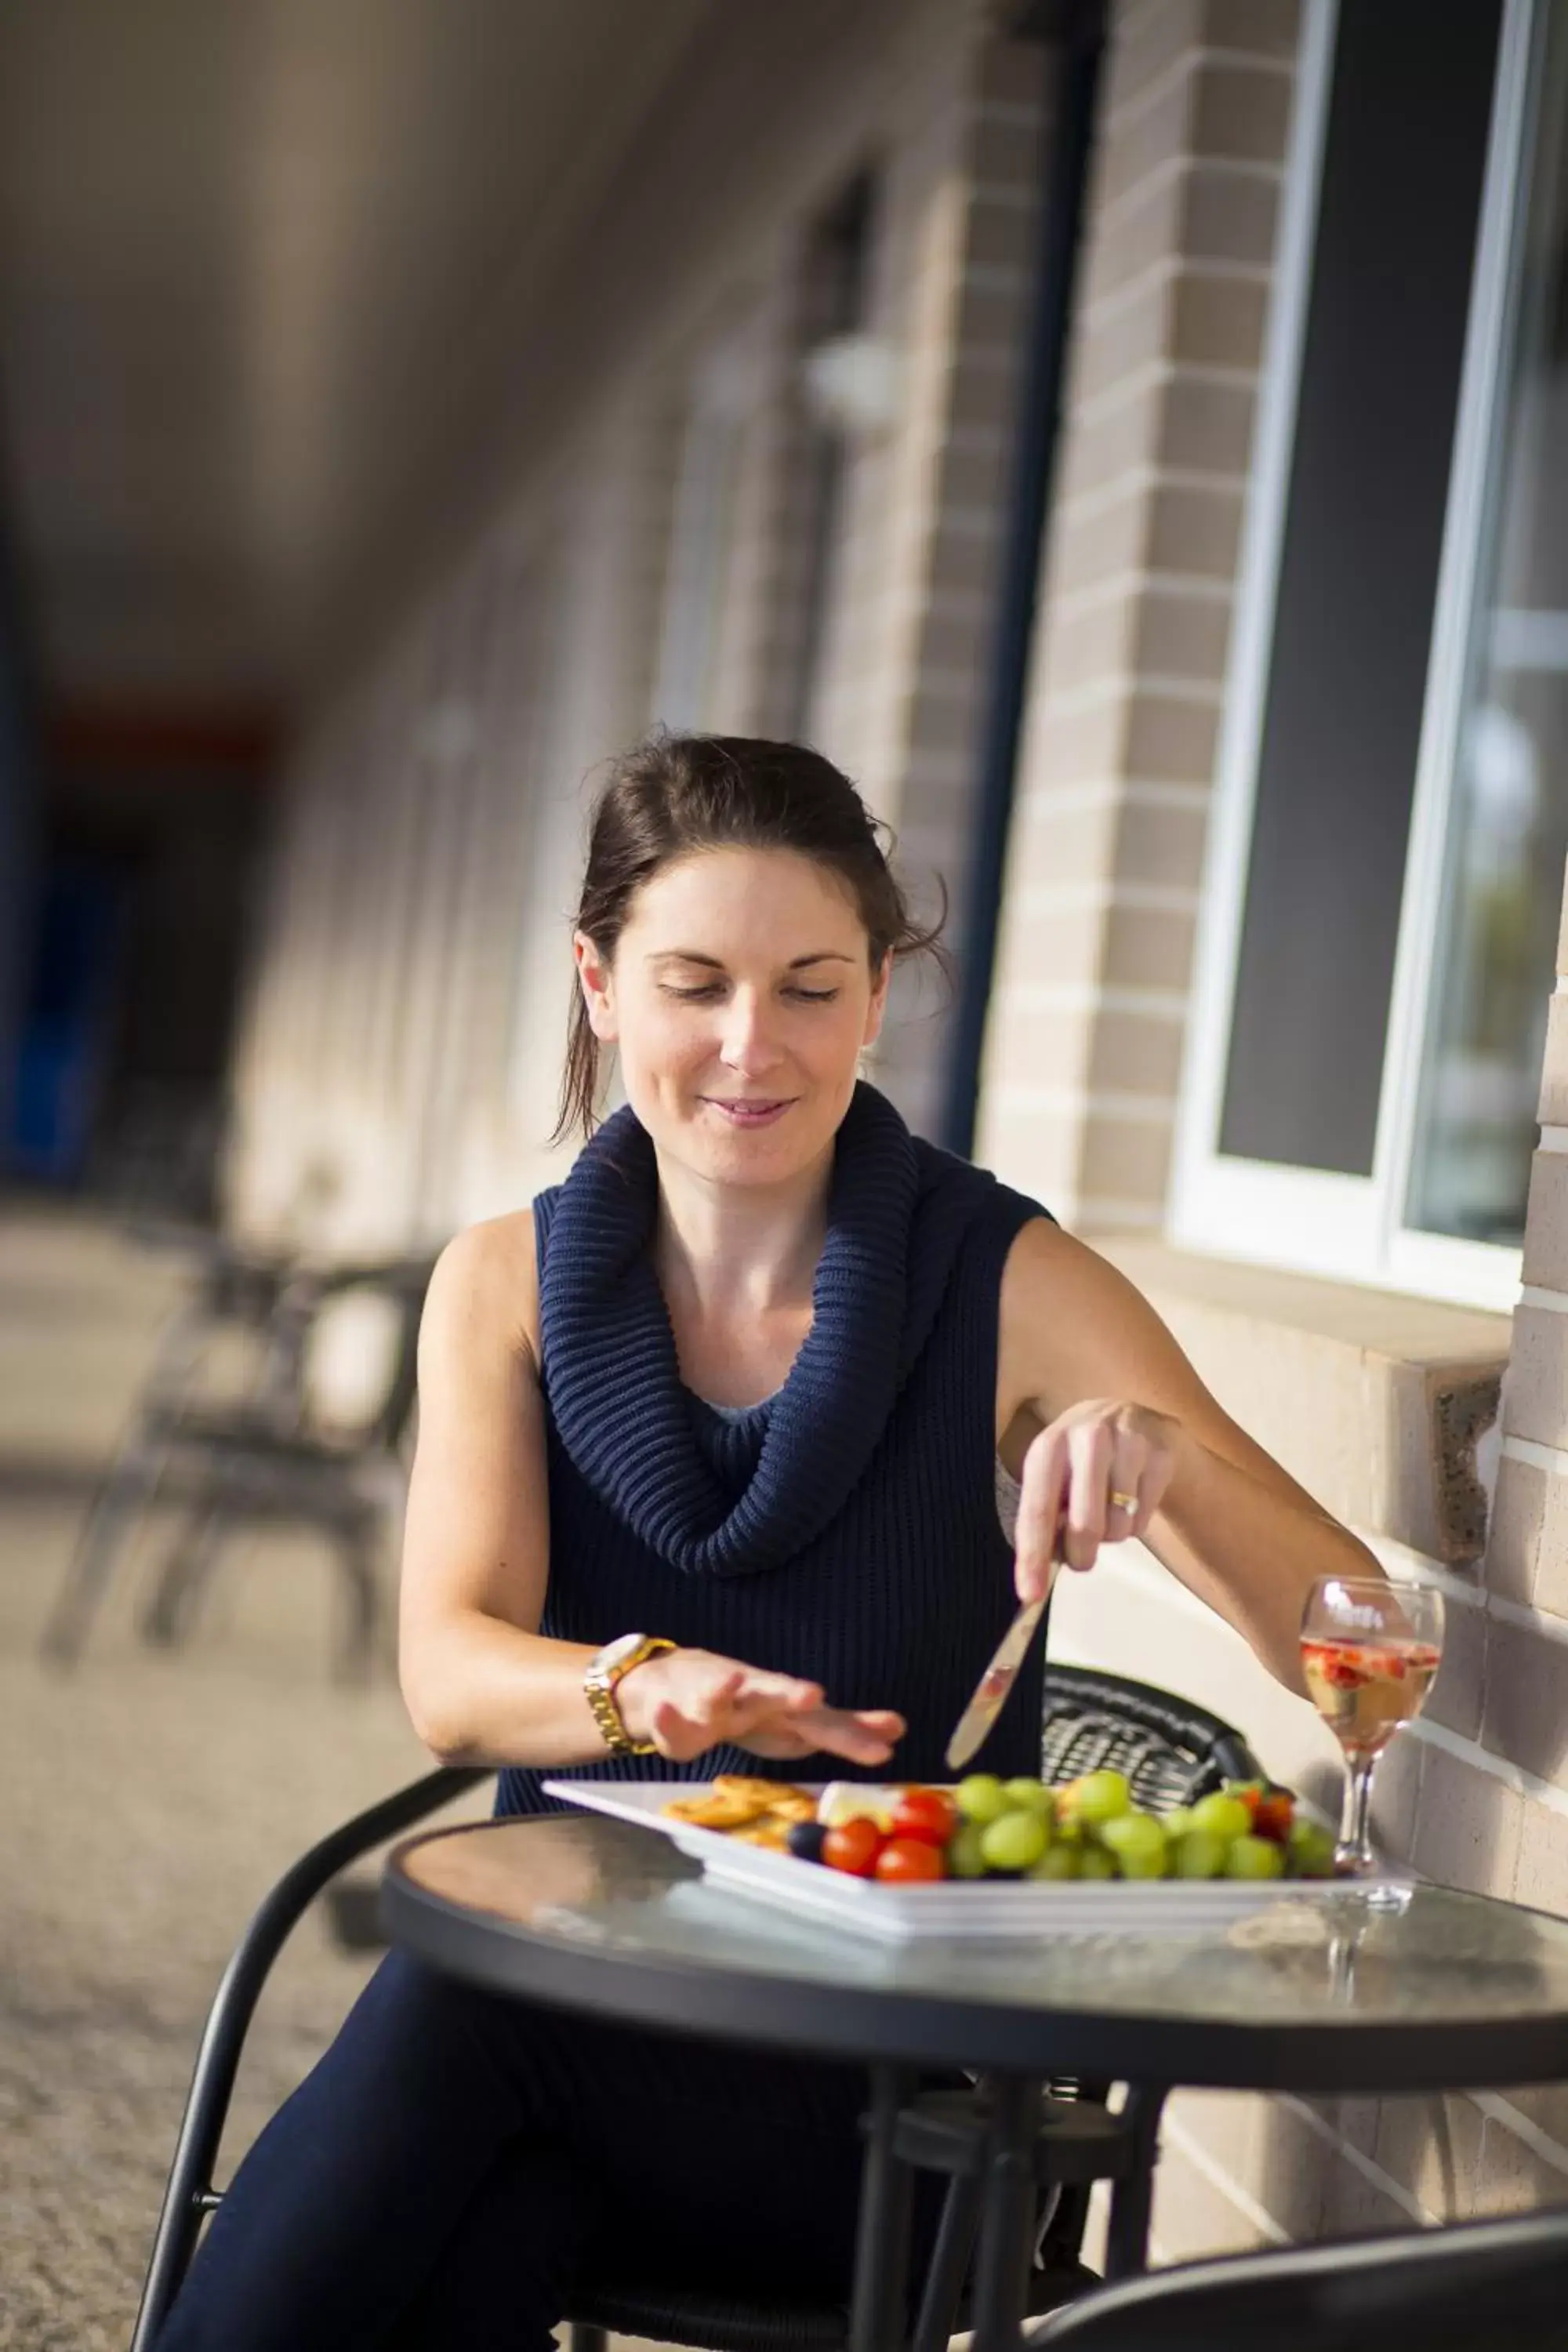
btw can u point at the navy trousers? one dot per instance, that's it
(455, 2161)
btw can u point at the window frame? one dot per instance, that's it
(1311, 1220)
(721, 397)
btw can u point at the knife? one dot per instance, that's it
(991, 1691)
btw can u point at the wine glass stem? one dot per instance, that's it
(1353, 1852)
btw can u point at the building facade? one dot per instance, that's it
(1273, 1015)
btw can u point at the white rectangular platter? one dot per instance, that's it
(979, 1907)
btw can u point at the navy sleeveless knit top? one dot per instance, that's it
(846, 1530)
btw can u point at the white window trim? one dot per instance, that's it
(1349, 1227)
(723, 394)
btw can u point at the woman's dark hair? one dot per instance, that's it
(675, 794)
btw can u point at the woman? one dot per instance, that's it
(710, 1452)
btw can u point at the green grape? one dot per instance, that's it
(1223, 1817)
(1254, 1857)
(1310, 1851)
(1015, 1841)
(981, 1798)
(1101, 1796)
(1058, 1861)
(1177, 1824)
(965, 1859)
(1095, 1863)
(1029, 1797)
(1137, 1842)
(1132, 1833)
(1199, 1854)
(1069, 1830)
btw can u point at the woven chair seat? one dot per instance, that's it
(1171, 1750)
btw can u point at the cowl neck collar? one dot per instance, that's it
(613, 1378)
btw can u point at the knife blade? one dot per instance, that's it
(991, 1691)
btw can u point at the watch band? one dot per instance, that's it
(599, 1680)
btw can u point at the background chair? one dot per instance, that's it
(231, 1308)
(288, 1446)
(1179, 1749)
(1473, 2286)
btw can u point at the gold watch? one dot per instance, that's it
(603, 1672)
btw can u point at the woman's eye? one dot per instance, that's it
(708, 992)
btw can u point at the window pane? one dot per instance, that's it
(1496, 947)
(700, 543)
(835, 297)
(1403, 165)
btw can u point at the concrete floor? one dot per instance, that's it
(151, 1799)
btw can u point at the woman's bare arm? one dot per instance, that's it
(481, 1683)
(1235, 1526)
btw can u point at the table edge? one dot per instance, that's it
(782, 2012)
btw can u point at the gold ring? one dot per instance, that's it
(1121, 1502)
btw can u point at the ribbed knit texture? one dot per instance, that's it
(846, 1529)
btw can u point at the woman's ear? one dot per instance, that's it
(877, 1010)
(596, 979)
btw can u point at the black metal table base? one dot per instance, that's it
(991, 2210)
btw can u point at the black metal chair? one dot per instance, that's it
(1168, 1745)
(268, 1453)
(231, 1290)
(1472, 2286)
(1171, 1750)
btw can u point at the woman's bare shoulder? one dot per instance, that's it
(486, 1282)
(1071, 1324)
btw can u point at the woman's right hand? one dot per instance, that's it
(687, 1701)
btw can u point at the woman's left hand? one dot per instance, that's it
(1096, 1474)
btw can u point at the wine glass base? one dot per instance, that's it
(1367, 1876)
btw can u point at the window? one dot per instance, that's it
(721, 398)
(1391, 818)
(833, 316)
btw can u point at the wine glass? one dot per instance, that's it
(1369, 1650)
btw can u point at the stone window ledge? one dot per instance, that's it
(1377, 1402)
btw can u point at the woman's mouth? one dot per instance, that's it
(744, 1112)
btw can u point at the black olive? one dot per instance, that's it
(805, 1840)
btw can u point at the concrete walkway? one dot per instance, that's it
(150, 1801)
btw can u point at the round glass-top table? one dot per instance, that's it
(1314, 1992)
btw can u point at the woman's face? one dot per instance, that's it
(739, 999)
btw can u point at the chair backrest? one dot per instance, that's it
(359, 1357)
(1474, 2286)
(1171, 1750)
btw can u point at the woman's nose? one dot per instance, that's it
(747, 1043)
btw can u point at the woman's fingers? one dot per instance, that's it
(1089, 1458)
(1107, 1467)
(1128, 1509)
(1040, 1506)
(703, 1702)
(866, 1736)
(860, 1737)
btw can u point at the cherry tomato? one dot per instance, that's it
(1272, 1819)
(853, 1847)
(910, 1862)
(928, 1814)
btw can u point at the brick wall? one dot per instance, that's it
(1084, 1046)
(1082, 1068)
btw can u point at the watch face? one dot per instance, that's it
(611, 1655)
